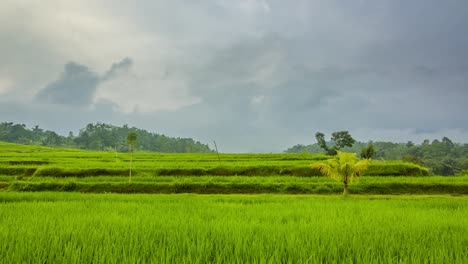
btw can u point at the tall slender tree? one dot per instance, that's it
(131, 141)
(320, 137)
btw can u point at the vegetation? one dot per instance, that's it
(94, 226)
(443, 157)
(339, 140)
(99, 136)
(131, 141)
(110, 228)
(368, 152)
(344, 167)
(239, 185)
(34, 168)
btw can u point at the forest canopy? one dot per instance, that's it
(443, 157)
(99, 136)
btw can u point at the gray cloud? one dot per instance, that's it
(116, 68)
(77, 84)
(256, 75)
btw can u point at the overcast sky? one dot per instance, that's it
(254, 75)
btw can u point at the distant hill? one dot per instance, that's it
(99, 136)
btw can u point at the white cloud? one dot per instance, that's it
(134, 93)
(5, 85)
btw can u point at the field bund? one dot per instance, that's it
(34, 168)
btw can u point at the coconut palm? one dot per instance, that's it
(343, 167)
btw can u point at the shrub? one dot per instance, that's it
(396, 169)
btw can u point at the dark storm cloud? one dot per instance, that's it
(77, 84)
(302, 96)
(263, 67)
(419, 34)
(267, 74)
(118, 67)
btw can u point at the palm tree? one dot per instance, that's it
(343, 167)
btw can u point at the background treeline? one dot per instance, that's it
(99, 136)
(443, 157)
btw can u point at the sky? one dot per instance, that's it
(254, 75)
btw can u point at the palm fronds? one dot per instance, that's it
(343, 167)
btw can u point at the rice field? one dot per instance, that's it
(20, 160)
(36, 168)
(112, 228)
(240, 218)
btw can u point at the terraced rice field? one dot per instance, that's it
(33, 168)
(83, 220)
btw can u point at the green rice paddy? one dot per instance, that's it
(63, 206)
(35, 168)
(111, 228)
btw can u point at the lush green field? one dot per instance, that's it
(111, 228)
(241, 184)
(41, 161)
(65, 226)
(33, 168)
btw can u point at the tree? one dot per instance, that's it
(448, 144)
(69, 140)
(52, 139)
(413, 159)
(131, 141)
(343, 167)
(321, 141)
(340, 139)
(99, 136)
(443, 157)
(368, 152)
(446, 166)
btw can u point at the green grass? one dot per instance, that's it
(78, 228)
(33, 168)
(240, 184)
(41, 161)
(65, 226)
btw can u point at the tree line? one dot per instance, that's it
(443, 157)
(99, 136)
